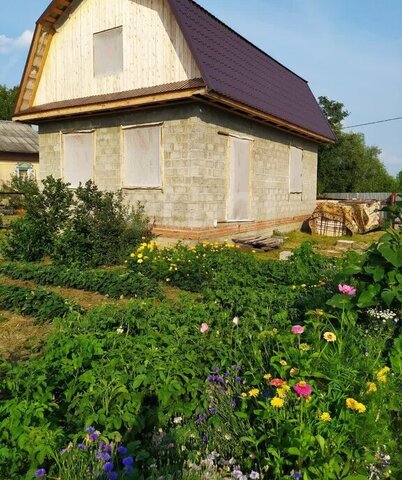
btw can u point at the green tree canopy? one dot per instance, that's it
(349, 165)
(8, 99)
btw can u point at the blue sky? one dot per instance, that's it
(348, 50)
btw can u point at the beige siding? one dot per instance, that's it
(155, 51)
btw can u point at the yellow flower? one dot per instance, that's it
(319, 312)
(329, 337)
(382, 374)
(371, 387)
(308, 399)
(325, 417)
(283, 363)
(303, 285)
(285, 387)
(267, 376)
(294, 371)
(140, 260)
(132, 255)
(281, 392)
(294, 287)
(382, 378)
(277, 402)
(360, 408)
(355, 405)
(274, 331)
(304, 347)
(140, 255)
(244, 395)
(254, 392)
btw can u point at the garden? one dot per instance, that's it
(192, 362)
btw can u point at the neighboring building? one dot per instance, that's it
(19, 151)
(162, 100)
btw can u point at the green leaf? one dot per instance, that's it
(393, 257)
(294, 451)
(388, 296)
(139, 380)
(321, 443)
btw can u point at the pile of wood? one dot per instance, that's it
(259, 243)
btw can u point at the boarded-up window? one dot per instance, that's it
(142, 154)
(108, 52)
(295, 170)
(78, 159)
(239, 191)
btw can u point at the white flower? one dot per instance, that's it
(254, 475)
(235, 321)
(120, 330)
(177, 420)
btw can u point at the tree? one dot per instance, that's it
(8, 99)
(349, 165)
(399, 181)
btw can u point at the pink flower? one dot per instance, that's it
(303, 389)
(276, 382)
(204, 327)
(297, 329)
(347, 290)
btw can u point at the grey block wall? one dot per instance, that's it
(194, 163)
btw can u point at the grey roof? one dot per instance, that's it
(18, 137)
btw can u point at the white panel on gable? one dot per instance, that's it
(142, 156)
(154, 51)
(295, 170)
(78, 157)
(108, 52)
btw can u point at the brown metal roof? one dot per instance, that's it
(235, 68)
(112, 97)
(17, 137)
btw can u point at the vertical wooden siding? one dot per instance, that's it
(155, 51)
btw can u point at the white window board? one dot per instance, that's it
(78, 157)
(142, 157)
(108, 52)
(295, 170)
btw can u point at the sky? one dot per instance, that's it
(348, 50)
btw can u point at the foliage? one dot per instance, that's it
(33, 236)
(209, 385)
(41, 304)
(8, 99)
(378, 274)
(107, 282)
(349, 165)
(87, 227)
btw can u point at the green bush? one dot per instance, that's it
(88, 227)
(39, 303)
(107, 282)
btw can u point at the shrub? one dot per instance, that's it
(41, 304)
(89, 227)
(107, 282)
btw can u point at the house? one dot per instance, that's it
(19, 151)
(162, 100)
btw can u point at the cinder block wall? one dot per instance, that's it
(194, 164)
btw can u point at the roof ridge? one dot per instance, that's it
(246, 40)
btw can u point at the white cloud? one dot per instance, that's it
(8, 45)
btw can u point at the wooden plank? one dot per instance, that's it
(115, 105)
(28, 67)
(48, 41)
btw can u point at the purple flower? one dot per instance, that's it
(297, 475)
(112, 476)
(128, 469)
(205, 438)
(267, 395)
(237, 379)
(237, 368)
(108, 467)
(122, 450)
(82, 447)
(90, 430)
(128, 461)
(105, 447)
(213, 410)
(94, 436)
(227, 374)
(233, 403)
(104, 456)
(200, 419)
(254, 475)
(40, 473)
(215, 369)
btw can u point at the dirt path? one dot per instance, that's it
(19, 336)
(87, 300)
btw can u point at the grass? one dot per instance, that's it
(324, 245)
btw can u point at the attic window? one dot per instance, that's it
(108, 52)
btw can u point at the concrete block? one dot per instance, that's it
(285, 255)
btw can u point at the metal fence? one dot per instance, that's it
(382, 196)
